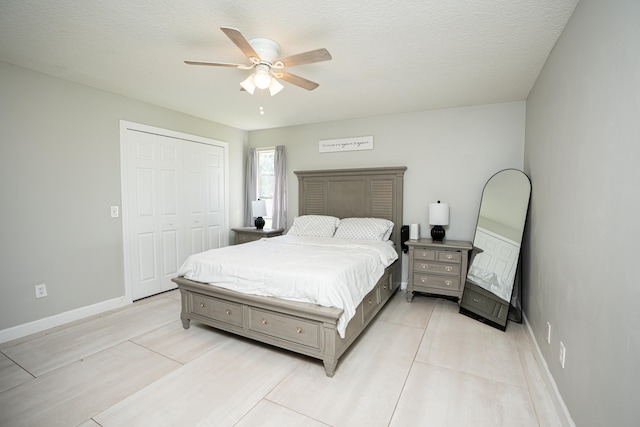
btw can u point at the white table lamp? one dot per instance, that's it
(438, 216)
(258, 210)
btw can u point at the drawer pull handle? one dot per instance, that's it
(203, 305)
(370, 301)
(265, 322)
(425, 266)
(448, 282)
(449, 256)
(299, 330)
(423, 280)
(449, 268)
(384, 287)
(228, 312)
(476, 300)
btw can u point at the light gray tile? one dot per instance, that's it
(64, 345)
(268, 414)
(471, 373)
(89, 423)
(73, 394)
(435, 396)
(460, 343)
(216, 389)
(182, 345)
(547, 415)
(366, 384)
(415, 314)
(175, 294)
(11, 374)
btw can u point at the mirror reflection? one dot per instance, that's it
(498, 237)
(496, 246)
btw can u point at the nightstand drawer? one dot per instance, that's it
(449, 256)
(434, 267)
(439, 282)
(246, 237)
(251, 234)
(424, 254)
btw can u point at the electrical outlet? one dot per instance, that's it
(563, 353)
(41, 290)
(548, 333)
(115, 212)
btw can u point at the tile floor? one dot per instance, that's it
(418, 364)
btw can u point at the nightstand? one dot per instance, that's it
(438, 268)
(249, 234)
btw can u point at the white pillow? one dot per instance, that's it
(364, 229)
(314, 226)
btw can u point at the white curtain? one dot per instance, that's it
(279, 219)
(250, 186)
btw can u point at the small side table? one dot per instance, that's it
(437, 267)
(249, 234)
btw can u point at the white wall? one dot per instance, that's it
(59, 174)
(582, 150)
(450, 154)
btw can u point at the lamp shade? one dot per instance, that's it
(275, 87)
(438, 213)
(258, 208)
(248, 84)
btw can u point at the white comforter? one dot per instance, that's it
(325, 271)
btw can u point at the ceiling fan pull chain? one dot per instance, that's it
(261, 99)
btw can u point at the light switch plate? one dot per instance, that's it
(115, 211)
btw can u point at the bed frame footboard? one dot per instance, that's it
(304, 328)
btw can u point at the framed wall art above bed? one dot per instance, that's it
(276, 317)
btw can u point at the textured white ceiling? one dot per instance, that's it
(388, 57)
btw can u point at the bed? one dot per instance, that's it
(306, 328)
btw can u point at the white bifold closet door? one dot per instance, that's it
(174, 208)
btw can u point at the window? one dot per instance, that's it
(266, 180)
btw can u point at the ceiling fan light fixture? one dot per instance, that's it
(248, 84)
(262, 77)
(275, 87)
(264, 55)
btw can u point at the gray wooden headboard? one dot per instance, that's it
(362, 193)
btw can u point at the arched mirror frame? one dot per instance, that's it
(487, 296)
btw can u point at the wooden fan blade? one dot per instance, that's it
(219, 64)
(297, 80)
(243, 44)
(310, 57)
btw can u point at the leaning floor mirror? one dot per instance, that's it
(496, 248)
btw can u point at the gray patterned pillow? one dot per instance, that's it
(364, 229)
(314, 226)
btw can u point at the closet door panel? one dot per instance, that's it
(175, 204)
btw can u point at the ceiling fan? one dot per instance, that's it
(269, 67)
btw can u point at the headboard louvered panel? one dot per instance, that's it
(382, 199)
(314, 201)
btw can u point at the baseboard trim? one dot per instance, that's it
(556, 398)
(60, 319)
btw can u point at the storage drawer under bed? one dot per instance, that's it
(216, 309)
(281, 326)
